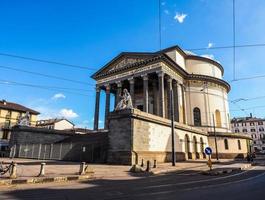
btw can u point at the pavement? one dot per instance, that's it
(59, 171)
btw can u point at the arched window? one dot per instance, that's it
(236, 130)
(239, 144)
(245, 130)
(218, 118)
(197, 116)
(226, 144)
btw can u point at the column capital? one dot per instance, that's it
(98, 88)
(118, 83)
(145, 76)
(107, 86)
(169, 79)
(160, 73)
(131, 80)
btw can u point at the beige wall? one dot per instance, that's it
(177, 57)
(233, 149)
(203, 68)
(62, 125)
(208, 100)
(148, 136)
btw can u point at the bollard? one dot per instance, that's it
(13, 173)
(42, 169)
(148, 166)
(154, 164)
(142, 164)
(82, 169)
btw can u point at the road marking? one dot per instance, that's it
(198, 181)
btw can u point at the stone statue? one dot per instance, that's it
(125, 102)
(24, 120)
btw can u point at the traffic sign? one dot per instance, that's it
(208, 151)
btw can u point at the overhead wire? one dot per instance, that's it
(44, 75)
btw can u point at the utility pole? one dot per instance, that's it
(215, 141)
(172, 128)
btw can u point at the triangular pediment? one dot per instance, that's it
(123, 61)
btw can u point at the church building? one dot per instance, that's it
(195, 88)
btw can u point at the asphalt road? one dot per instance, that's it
(185, 185)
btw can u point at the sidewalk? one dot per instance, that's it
(55, 171)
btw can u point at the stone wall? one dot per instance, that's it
(39, 143)
(136, 135)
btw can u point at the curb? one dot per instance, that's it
(219, 171)
(163, 171)
(46, 179)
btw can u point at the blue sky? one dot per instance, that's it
(90, 33)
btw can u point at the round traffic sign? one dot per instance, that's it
(208, 151)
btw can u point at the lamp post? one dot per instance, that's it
(172, 128)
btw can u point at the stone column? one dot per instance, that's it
(118, 92)
(161, 94)
(169, 88)
(154, 97)
(176, 101)
(183, 104)
(131, 80)
(96, 115)
(107, 106)
(145, 95)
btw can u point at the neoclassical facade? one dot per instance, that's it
(199, 99)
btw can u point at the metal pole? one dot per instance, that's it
(215, 141)
(172, 128)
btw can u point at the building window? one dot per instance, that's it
(261, 129)
(245, 130)
(218, 118)
(252, 123)
(253, 130)
(197, 116)
(236, 130)
(226, 144)
(260, 123)
(239, 144)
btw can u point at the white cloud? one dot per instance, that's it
(180, 17)
(210, 56)
(166, 12)
(67, 113)
(58, 96)
(210, 45)
(163, 3)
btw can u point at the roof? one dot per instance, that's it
(151, 56)
(246, 119)
(16, 107)
(46, 122)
